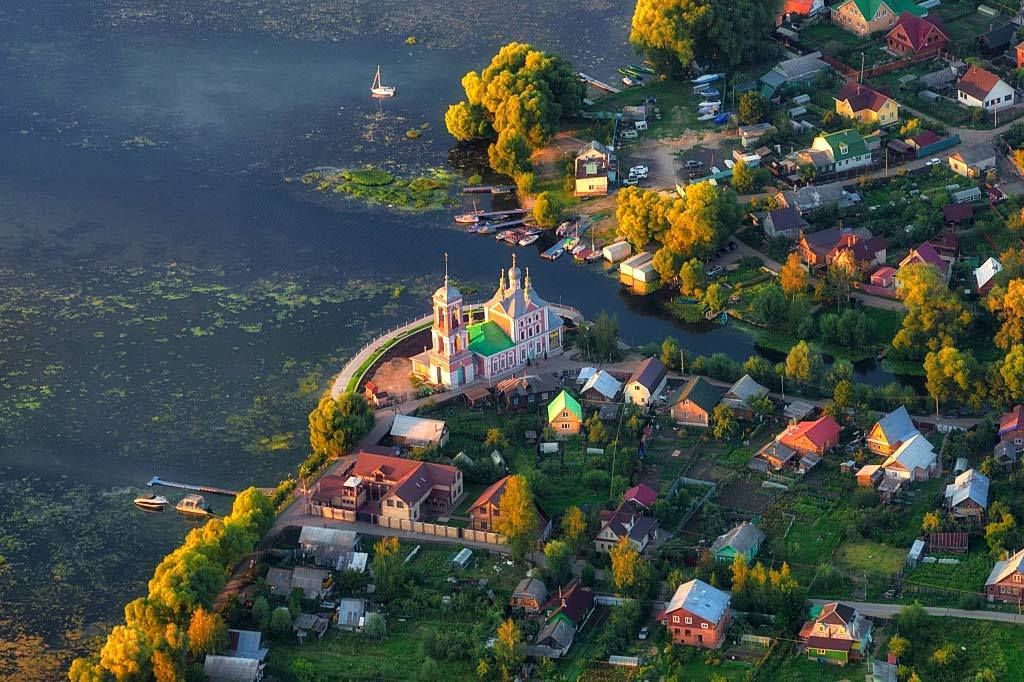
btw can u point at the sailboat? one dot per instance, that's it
(471, 217)
(379, 90)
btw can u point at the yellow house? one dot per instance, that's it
(594, 167)
(860, 102)
(865, 17)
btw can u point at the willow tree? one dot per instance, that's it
(337, 424)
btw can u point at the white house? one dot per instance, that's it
(981, 88)
(647, 382)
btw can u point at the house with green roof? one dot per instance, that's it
(565, 415)
(842, 151)
(866, 17)
(693, 404)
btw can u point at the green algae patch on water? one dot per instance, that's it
(427, 191)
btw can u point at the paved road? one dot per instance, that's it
(890, 610)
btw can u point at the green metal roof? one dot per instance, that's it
(700, 392)
(851, 140)
(869, 8)
(487, 338)
(564, 401)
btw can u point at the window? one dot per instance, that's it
(703, 626)
(689, 621)
(675, 619)
(400, 504)
(1018, 578)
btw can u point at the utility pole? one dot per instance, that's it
(860, 79)
(682, 362)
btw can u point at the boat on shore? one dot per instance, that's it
(642, 69)
(706, 78)
(194, 505)
(631, 82)
(150, 502)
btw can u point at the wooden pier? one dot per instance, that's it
(509, 212)
(589, 80)
(509, 223)
(213, 490)
(488, 189)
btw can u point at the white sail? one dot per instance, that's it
(380, 90)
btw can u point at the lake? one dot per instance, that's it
(171, 305)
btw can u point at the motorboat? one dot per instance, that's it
(707, 117)
(706, 78)
(470, 218)
(151, 502)
(554, 255)
(529, 239)
(709, 92)
(194, 505)
(630, 82)
(717, 104)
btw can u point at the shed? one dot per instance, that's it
(245, 644)
(351, 613)
(232, 669)
(613, 253)
(915, 554)
(463, 558)
(497, 459)
(326, 545)
(965, 196)
(419, 432)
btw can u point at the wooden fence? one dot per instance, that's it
(453, 533)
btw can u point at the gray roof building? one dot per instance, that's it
(970, 485)
(245, 644)
(701, 600)
(744, 539)
(230, 669)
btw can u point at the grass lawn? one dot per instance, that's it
(844, 45)
(350, 656)
(798, 669)
(472, 491)
(977, 645)
(699, 671)
(968, 575)
(675, 100)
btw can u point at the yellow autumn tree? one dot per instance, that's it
(793, 277)
(574, 526)
(509, 652)
(517, 519)
(625, 565)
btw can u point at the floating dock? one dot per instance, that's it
(550, 253)
(589, 80)
(488, 189)
(213, 490)
(509, 212)
(518, 222)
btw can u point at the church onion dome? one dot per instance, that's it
(447, 293)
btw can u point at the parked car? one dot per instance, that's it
(643, 632)
(933, 162)
(715, 271)
(694, 163)
(630, 181)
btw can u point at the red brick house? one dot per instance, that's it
(1006, 581)
(818, 436)
(917, 36)
(697, 615)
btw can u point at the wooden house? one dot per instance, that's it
(697, 615)
(565, 415)
(625, 522)
(966, 497)
(836, 634)
(817, 436)
(518, 393)
(1011, 427)
(740, 395)
(890, 432)
(915, 36)
(530, 595)
(866, 17)
(1006, 581)
(867, 105)
(647, 382)
(744, 539)
(573, 604)
(487, 507)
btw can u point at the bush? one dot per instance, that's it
(596, 480)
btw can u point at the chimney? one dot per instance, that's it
(891, 659)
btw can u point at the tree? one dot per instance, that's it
(793, 276)
(701, 221)
(625, 565)
(1011, 369)
(574, 526)
(715, 298)
(509, 652)
(547, 210)
(337, 425)
(670, 352)
(753, 108)
(261, 613)
(803, 363)
(518, 99)
(948, 373)
(691, 277)
(599, 340)
(165, 667)
(770, 306)
(495, 439)
(666, 263)
(126, 653)
(724, 422)
(1008, 305)
(742, 176)
(207, 633)
(87, 670)
(518, 518)
(675, 33)
(281, 621)
(387, 567)
(931, 523)
(640, 216)
(558, 556)
(935, 316)
(376, 627)
(597, 432)
(899, 646)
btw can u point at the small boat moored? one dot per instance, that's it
(193, 504)
(379, 90)
(529, 239)
(150, 502)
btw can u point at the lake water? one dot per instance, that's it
(170, 306)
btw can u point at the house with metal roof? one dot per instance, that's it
(836, 634)
(625, 522)
(325, 546)
(846, 150)
(914, 460)
(641, 496)
(245, 644)
(866, 17)
(981, 88)
(812, 197)
(555, 638)
(520, 392)
(925, 253)
(985, 275)
(573, 604)
(868, 105)
(740, 395)
(232, 669)
(595, 170)
(1006, 581)
(972, 162)
(891, 431)
(601, 386)
(918, 36)
(417, 432)
(530, 595)
(966, 497)
(565, 415)
(697, 615)
(307, 626)
(693, 403)
(487, 507)
(783, 222)
(744, 539)
(647, 382)
(351, 614)
(1006, 455)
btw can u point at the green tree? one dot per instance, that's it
(261, 613)
(1007, 303)
(376, 627)
(558, 557)
(207, 633)
(753, 108)
(807, 171)
(935, 316)
(701, 221)
(1011, 369)
(640, 216)
(335, 426)
(948, 373)
(510, 153)
(715, 298)
(670, 352)
(803, 363)
(387, 567)
(742, 176)
(692, 277)
(281, 621)
(517, 520)
(666, 263)
(599, 340)
(547, 210)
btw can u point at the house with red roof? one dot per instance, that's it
(487, 507)
(641, 497)
(573, 604)
(379, 483)
(1019, 52)
(640, 529)
(914, 36)
(1011, 427)
(958, 215)
(981, 88)
(802, 8)
(818, 249)
(927, 253)
(922, 140)
(836, 634)
(818, 436)
(857, 252)
(867, 105)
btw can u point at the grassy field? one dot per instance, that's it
(350, 656)
(675, 100)
(976, 645)
(843, 45)
(969, 575)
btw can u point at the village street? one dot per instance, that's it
(891, 610)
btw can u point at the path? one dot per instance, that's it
(891, 610)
